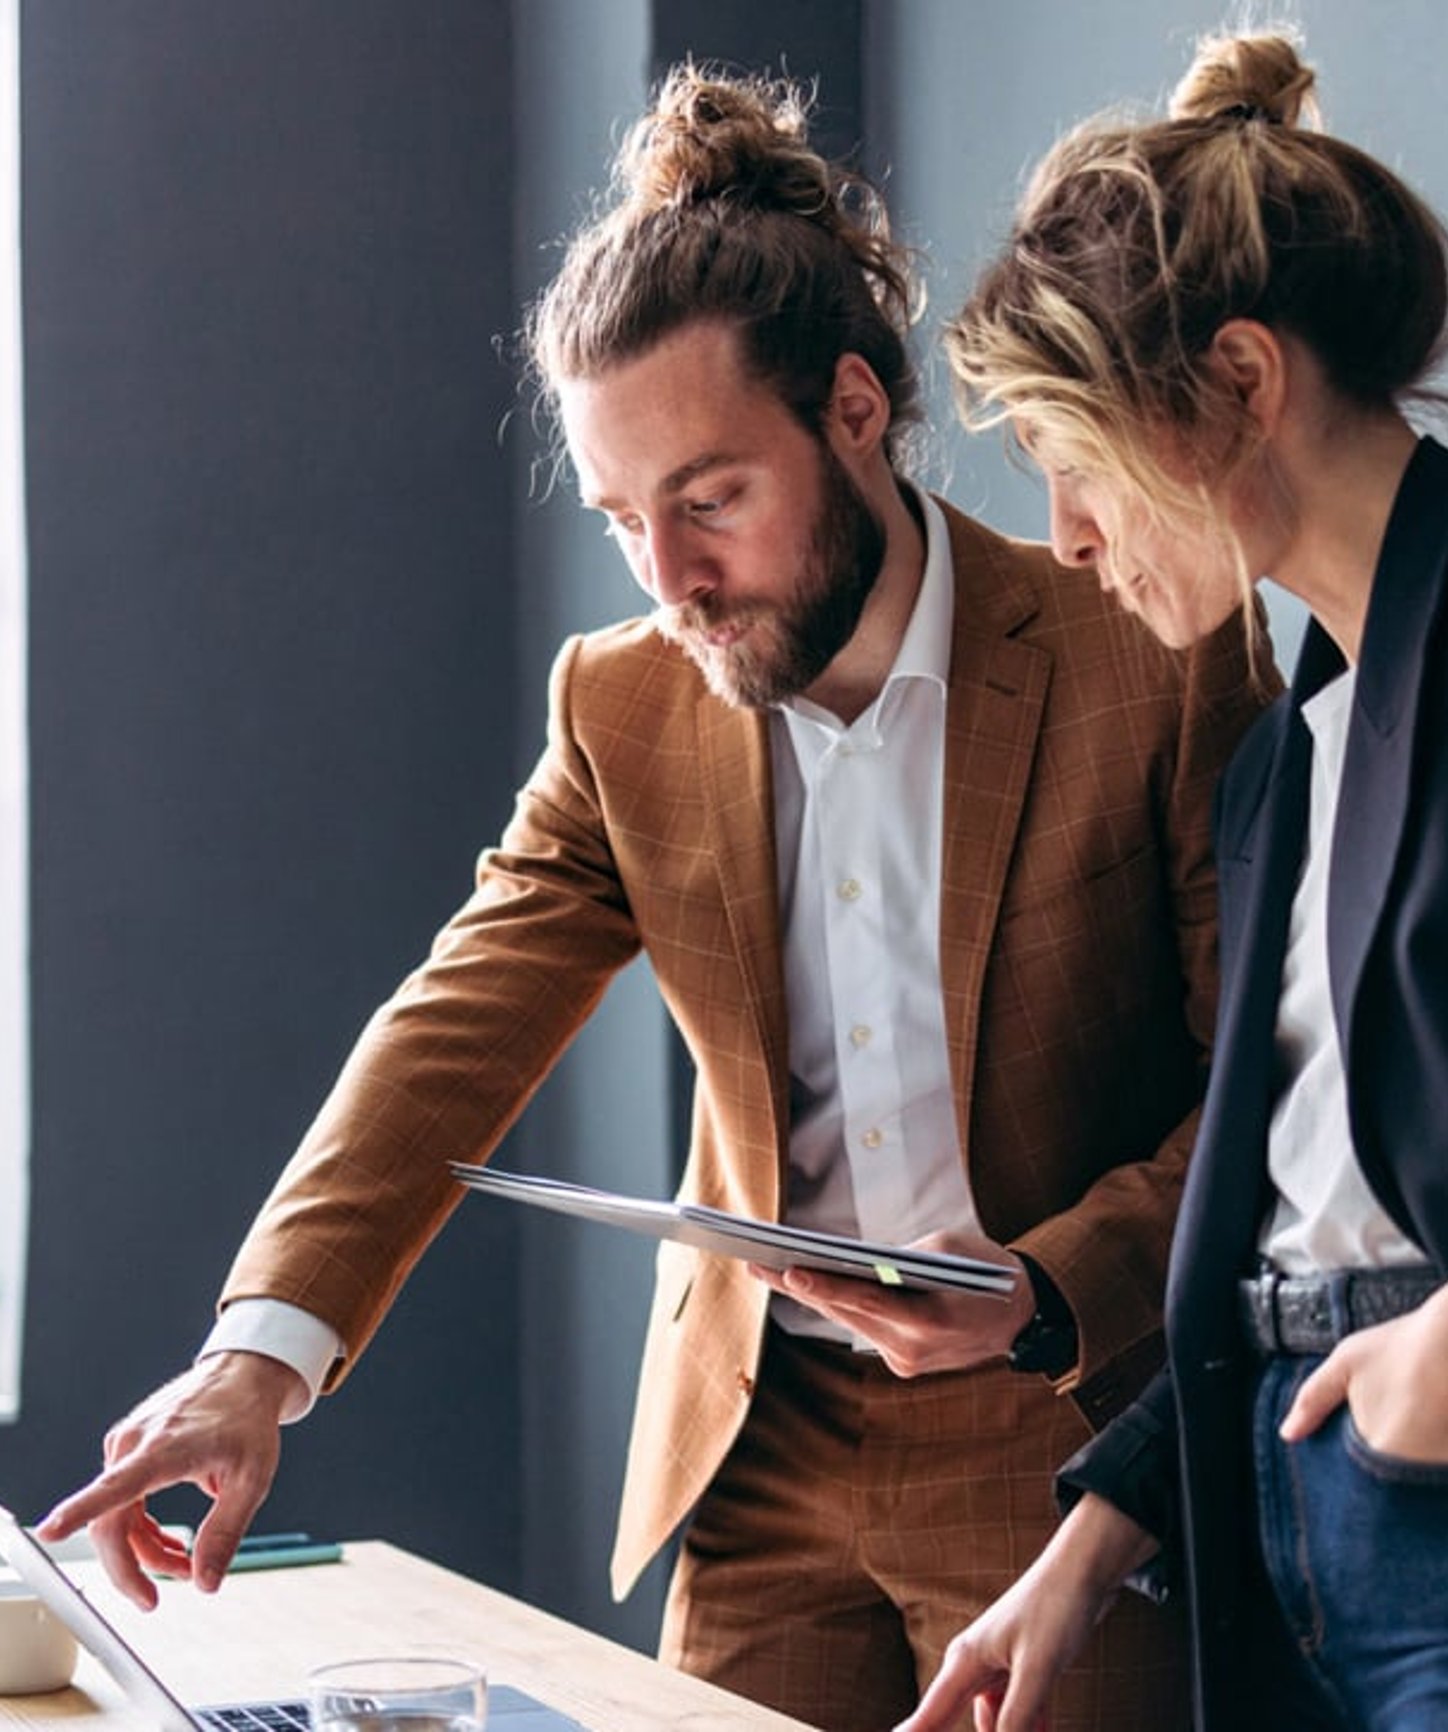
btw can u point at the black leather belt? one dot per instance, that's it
(1312, 1313)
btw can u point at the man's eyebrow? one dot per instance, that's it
(678, 479)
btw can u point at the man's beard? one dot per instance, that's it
(790, 643)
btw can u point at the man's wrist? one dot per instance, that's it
(1048, 1343)
(270, 1383)
(280, 1331)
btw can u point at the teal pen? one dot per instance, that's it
(272, 1542)
(258, 1557)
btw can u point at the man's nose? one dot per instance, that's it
(676, 572)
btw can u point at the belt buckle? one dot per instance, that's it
(1260, 1293)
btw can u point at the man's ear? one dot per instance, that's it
(1250, 359)
(859, 412)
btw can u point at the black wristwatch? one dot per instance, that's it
(1048, 1342)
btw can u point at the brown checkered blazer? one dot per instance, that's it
(1077, 952)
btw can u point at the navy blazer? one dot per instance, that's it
(1177, 1459)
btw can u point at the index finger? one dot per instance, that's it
(960, 1681)
(1321, 1394)
(129, 1481)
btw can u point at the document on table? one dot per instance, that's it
(764, 1242)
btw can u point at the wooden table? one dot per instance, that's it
(266, 1628)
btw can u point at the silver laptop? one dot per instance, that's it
(509, 1710)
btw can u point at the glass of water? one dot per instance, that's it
(414, 1693)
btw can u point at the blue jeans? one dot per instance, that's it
(1356, 1547)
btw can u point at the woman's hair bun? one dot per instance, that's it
(1257, 77)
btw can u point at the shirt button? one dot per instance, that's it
(860, 1035)
(848, 890)
(873, 1138)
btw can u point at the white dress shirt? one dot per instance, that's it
(1326, 1216)
(858, 816)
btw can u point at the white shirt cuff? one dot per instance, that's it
(280, 1331)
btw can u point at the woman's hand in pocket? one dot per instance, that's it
(1391, 1378)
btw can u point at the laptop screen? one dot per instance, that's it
(35, 1566)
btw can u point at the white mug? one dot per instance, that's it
(37, 1652)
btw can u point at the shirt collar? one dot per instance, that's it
(925, 648)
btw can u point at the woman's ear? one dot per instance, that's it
(859, 411)
(1251, 361)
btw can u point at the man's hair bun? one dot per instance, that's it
(707, 137)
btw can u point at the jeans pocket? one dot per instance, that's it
(1389, 1469)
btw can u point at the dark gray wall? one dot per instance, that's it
(272, 611)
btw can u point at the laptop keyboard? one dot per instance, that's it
(258, 1717)
(506, 1706)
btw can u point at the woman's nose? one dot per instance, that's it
(1076, 537)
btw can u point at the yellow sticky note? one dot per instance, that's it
(888, 1275)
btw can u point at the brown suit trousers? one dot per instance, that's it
(862, 1520)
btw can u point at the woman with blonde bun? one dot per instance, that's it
(1204, 331)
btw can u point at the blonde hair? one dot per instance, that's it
(722, 210)
(1135, 243)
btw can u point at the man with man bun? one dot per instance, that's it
(916, 839)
